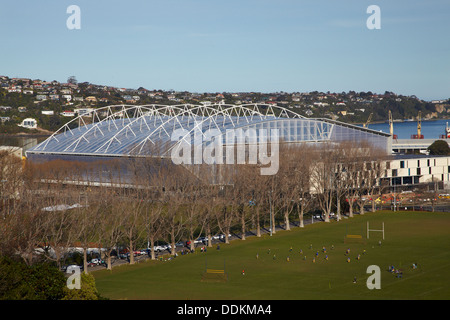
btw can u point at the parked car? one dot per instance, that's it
(95, 262)
(203, 240)
(163, 247)
(220, 236)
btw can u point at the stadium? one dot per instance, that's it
(148, 131)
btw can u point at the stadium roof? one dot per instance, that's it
(147, 130)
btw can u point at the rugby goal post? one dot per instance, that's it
(375, 230)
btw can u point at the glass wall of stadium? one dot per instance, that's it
(125, 134)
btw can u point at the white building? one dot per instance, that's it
(68, 114)
(408, 170)
(29, 123)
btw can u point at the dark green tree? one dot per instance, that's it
(438, 148)
(41, 281)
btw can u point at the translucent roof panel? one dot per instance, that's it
(154, 130)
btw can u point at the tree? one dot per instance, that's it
(259, 193)
(26, 226)
(110, 209)
(242, 194)
(196, 211)
(225, 206)
(154, 224)
(302, 176)
(438, 148)
(324, 176)
(42, 281)
(72, 80)
(86, 226)
(254, 186)
(173, 181)
(289, 187)
(273, 196)
(134, 218)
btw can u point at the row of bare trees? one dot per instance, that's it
(50, 207)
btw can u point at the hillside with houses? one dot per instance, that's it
(39, 106)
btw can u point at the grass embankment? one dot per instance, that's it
(411, 237)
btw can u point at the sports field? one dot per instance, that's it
(282, 267)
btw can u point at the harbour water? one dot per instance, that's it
(23, 141)
(431, 129)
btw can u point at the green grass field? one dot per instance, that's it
(411, 237)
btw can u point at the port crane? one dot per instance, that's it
(447, 133)
(365, 125)
(419, 134)
(391, 126)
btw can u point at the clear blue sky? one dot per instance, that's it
(245, 45)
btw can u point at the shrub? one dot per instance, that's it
(18, 281)
(88, 290)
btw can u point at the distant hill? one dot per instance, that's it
(22, 98)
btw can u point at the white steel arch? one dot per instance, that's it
(124, 130)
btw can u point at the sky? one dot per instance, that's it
(232, 46)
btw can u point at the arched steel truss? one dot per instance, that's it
(143, 130)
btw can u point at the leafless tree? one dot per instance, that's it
(195, 199)
(11, 179)
(26, 227)
(87, 224)
(58, 224)
(134, 220)
(224, 193)
(173, 184)
(301, 175)
(288, 180)
(111, 209)
(323, 177)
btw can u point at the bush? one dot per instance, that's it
(18, 281)
(42, 281)
(12, 284)
(88, 290)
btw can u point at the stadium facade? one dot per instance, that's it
(131, 131)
